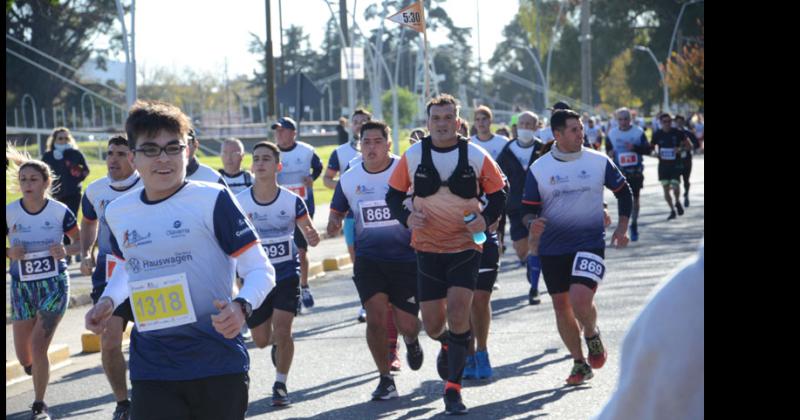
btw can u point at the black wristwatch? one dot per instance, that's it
(247, 308)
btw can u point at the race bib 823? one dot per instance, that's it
(37, 266)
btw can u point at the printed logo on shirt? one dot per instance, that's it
(283, 215)
(558, 179)
(20, 228)
(177, 232)
(47, 225)
(131, 239)
(363, 189)
(136, 265)
(559, 193)
(584, 175)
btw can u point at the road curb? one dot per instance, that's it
(58, 356)
(90, 342)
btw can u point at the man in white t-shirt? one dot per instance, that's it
(232, 153)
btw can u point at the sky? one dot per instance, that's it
(201, 34)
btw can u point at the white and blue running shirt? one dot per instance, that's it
(625, 159)
(196, 232)
(341, 156)
(378, 235)
(571, 197)
(275, 225)
(297, 164)
(238, 182)
(38, 231)
(93, 205)
(493, 146)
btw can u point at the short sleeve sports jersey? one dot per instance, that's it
(494, 145)
(275, 225)
(96, 198)
(341, 156)
(571, 196)
(593, 133)
(238, 182)
(196, 232)
(669, 145)
(203, 173)
(37, 231)
(627, 160)
(378, 235)
(297, 164)
(445, 231)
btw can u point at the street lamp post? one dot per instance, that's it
(538, 68)
(660, 72)
(675, 30)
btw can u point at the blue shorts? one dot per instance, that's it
(349, 231)
(46, 295)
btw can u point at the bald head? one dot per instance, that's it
(528, 120)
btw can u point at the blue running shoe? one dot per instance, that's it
(483, 368)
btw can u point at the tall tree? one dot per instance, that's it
(65, 30)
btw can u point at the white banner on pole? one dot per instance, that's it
(356, 60)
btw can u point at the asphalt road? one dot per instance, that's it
(333, 374)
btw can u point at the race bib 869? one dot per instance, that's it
(589, 265)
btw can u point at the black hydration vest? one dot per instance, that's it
(463, 181)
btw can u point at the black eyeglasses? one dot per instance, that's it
(151, 150)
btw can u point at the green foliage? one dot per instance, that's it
(406, 106)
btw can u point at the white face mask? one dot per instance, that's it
(525, 136)
(58, 150)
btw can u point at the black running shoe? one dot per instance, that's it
(385, 390)
(680, 209)
(122, 412)
(452, 403)
(686, 201)
(280, 396)
(533, 297)
(672, 215)
(39, 411)
(441, 363)
(414, 355)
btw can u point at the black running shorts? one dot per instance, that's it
(221, 397)
(490, 263)
(397, 280)
(557, 272)
(438, 272)
(283, 296)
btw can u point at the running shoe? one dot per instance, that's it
(597, 353)
(39, 411)
(362, 315)
(483, 368)
(680, 209)
(414, 355)
(469, 368)
(686, 201)
(533, 297)
(386, 389)
(672, 215)
(280, 396)
(452, 402)
(307, 297)
(634, 233)
(122, 412)
(581, 372)
(441, 363)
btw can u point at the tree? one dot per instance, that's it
(615, 89)
(406, 106)
(685, 75)
(64, 30)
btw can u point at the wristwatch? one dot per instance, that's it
(247, 308)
